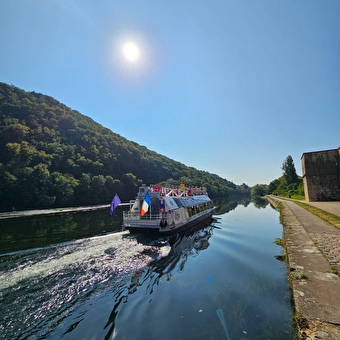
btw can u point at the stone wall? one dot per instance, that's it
(321, 175)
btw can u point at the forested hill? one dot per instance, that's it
(53, 156)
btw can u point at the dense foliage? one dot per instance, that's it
(289, 171)
(53, 156)
(289, 184)
(259, 190)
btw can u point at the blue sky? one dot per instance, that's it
(230, 87)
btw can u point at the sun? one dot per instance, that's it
(131, 51)
(132, 57)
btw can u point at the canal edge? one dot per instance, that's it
(314, 287)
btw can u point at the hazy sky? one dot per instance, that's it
(231, 87)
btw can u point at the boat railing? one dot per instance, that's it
(172, 190)
(147, 218)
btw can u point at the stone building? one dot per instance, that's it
(321, 175)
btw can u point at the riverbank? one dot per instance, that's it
(27, 213)
(312, 247)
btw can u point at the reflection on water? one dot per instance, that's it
(39, 231)
(259, 202)
(220, 281)
(182, 247)
(223, 206)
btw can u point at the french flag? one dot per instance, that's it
(145, 205)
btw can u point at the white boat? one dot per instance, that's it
(167, 209)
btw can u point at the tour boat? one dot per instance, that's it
(167, 209)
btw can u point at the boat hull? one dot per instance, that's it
(172, 229)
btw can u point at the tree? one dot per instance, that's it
(259, 190)
(7, 189)
(273, 185)
(83, 190)
(62, 188)
(289, 171)
(98, 189)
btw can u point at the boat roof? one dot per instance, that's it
(179, 202)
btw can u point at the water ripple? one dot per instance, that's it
(42, 287)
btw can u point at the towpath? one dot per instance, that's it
(313, 250)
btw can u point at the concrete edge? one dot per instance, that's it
(307, 328)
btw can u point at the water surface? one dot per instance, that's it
(222, 281)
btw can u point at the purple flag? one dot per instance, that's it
(114, 204)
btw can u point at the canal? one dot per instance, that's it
(78, 276)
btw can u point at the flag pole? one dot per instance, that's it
(150, 208)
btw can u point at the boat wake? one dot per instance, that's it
(41, 287)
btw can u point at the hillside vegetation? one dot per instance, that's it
(53, 156)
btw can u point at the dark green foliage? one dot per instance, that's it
(289, 171)
(289, 184)
(52, 156)
(273, 185)
(259, 190)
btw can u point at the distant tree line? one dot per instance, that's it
(53, 156)
(289, 184)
